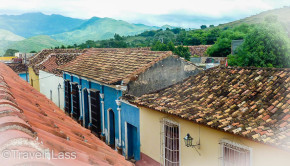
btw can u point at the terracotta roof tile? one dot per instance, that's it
(114, 65)
(30, 122)
(251, 102)
(198, 50)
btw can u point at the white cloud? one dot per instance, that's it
(132, 10)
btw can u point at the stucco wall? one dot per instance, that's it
(262, 155)
(49, 82)
(129, 113)
(35, 78)
(162, 74)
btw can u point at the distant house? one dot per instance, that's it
(8, 59)
(24, 56)
(235, 44)
(20, 69)
(201, 59)
(236, 116)
(34, 131)
(96, 80)
(35, 62)
(208, 62)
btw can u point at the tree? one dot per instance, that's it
(10, 52)
(211, 26)
(118, 37)
(203, 27)
(33, 52)
(179, 50)
(222, 47)
(182, 52)
(266, 45)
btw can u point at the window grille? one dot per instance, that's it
(234, 154)
(170, 143)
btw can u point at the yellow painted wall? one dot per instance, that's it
(150, 126)
(35, 79)
(9, 58)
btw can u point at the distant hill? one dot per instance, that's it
(7, 38)
(32, 24)
(282, 15)
(99, 29)
(36, 43)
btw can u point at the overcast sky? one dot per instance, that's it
(185, 13)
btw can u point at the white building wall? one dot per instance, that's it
(49, 87)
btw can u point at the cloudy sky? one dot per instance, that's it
(185, 13)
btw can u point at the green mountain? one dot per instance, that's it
(100, 29)
(36, 43)
(32, 24)
(281, 15)
(7, 38)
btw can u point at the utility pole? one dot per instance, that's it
(26, 68)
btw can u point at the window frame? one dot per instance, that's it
(162, 140)
(225, 141)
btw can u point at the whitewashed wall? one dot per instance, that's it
(49, 82)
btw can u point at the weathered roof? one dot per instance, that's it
(63, 56)
(53, 61)
(114, 65)
(250, 102)
(29, 122)
(198, 50)
(17, 67)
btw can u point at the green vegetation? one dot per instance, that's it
(222, 46)
(10, 52)
(177, 36)
(266, 45)
(179, 50)
(36, 43)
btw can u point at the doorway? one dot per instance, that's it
(111, 128)
(96, 113)
(131, 141)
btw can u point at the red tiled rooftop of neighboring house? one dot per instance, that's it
(250, 102)
(17, 67)
(114, 65)
(53, 61)
(29, 122)
(198, 50)
(62, 56)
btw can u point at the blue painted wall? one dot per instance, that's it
(23, 76)
(129, 113)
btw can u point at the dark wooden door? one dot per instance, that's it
(96, 112)
(67, 97)
(76, 101)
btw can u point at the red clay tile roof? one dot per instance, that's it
(198, 50)
(250, 102)
(62, 56)
(111, 66)
(29, 122)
